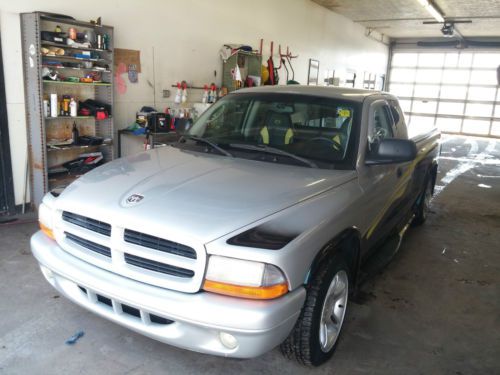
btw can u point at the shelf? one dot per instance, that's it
(71, 58)
(71, 68)
(60, 45)
(72, 148)
(78, 60)
(69, 21)
(76, 118)
(69, 117)
(77, 83)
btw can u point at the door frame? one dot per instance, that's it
(7, 183)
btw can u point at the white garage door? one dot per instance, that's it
(456, 91)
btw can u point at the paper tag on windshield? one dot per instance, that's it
(344, 113)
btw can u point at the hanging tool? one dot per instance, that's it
(288, 56)
(270, 67)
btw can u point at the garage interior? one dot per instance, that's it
(432, 309)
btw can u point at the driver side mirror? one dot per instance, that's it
(391, 151)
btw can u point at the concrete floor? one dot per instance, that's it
(433, 310)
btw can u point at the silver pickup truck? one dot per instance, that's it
(252, 230)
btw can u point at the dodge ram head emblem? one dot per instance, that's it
(135, 198)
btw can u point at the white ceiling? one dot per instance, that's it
(403, 18)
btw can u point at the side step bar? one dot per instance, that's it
(383, 255)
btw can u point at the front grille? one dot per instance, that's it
(160, 244)
(103, 250)
(104, 300)
(131, 310)
(157, 266)
(158, 261)
(126, 309)
(87, 223)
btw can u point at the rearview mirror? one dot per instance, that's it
(391, 151)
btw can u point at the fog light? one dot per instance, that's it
(228, 340)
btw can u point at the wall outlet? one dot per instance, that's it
(166, 93)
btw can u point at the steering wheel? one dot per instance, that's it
(335, 144)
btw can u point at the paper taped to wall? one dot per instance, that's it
(128, 57)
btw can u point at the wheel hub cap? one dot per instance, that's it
(333, 312)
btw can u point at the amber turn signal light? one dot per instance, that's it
(48, 232)
(252, 292)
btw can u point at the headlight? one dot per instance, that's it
(45, 217)
(244, 278)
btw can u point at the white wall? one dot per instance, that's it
(186, 36)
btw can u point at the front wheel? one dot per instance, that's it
(316, 333)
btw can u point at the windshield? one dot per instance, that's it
(287, 128)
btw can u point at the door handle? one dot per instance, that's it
(399, 172)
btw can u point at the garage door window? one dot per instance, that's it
(455, 91)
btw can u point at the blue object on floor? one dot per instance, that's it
(139, 131)
(73, 339)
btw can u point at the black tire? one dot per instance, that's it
(423, 206)
(303, 343)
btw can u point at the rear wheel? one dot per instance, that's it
(424, 205)
(316, 333)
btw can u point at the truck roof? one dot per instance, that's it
(344, 93)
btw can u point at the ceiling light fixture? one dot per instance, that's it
(429, 6)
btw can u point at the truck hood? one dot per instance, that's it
(202, 196)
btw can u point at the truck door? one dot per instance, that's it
(384, 185)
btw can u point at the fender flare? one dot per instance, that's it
(340, 243)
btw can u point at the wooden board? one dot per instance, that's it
(128, 57)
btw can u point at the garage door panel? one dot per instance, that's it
(451, 60)
(402, 90)
(426, 91)
(465, 60)
(403, 75)
(484, 77)
(481, 93)
(424, 106)
(446, 108)
(481, 127)
(405, 105)
(428, 75)
(495, 128)
(487, 60)
(482, 110)
(451, 125)
(456, 91)
(405, 59)
(497, 112)
(453, 92)
(435, 60)
(456, 76)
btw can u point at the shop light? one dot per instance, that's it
(429, 6)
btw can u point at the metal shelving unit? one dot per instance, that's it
(250, 63)
(40, 128)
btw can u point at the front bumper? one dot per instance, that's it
(258, 326)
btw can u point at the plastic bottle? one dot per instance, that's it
(75, 133)
(213, 93)
(54, 110)
(178, 94)
(204, 99)
(65, 105)
(72, 107)
(184, 93)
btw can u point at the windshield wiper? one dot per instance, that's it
(207, 142)
(273, 151)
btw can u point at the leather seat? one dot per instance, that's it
(277, 130)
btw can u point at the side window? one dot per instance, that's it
(382, 124)
(399, 119)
